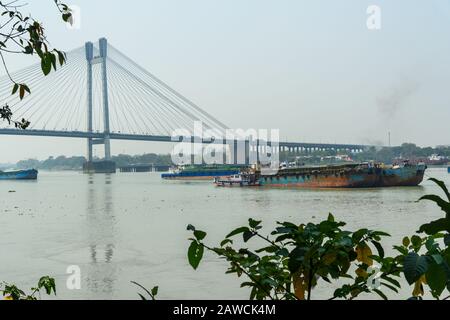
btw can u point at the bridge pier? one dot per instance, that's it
(193, 151)
(257, 158)
(89, 56)
(239, 158)
(247, 152)
(235, 152)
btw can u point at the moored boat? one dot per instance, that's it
(201, 172)
(355, 175)
(239, 180)
(436, 159)
(19, 175)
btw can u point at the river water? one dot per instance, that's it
(132, 226)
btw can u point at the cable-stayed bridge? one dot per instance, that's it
(101, 95)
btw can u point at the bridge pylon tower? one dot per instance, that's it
(92, 60)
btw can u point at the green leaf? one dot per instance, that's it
(195, 254)
(15, 88)
(61, 57)
(402, 250)
(437, 258)
(237, 231)
(46, 64)
(436, 279)
(48, 284)
(226, 241)
(21, 92)
(381, 234)
(142, 297)
(442, 185)
(406, 242)
(436, 226)
(357, 235)
(67, 17)
(253, 223)
(155, 291)
(269, 249)
(389, 279)
(52, 60)
(389, 286)
(379, 248)
(444, 205)
(247, 284)
(430, 244)
(28, 50)
(199, 235)
(190, 227)
(247, 235)
(447, 240)
(416, 241)
(282, 252)
(414, 267)
(296, 258)
(279, 230)
(381, 294)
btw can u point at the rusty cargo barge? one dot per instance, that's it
(354, 175)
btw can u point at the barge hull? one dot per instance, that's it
(371, 178)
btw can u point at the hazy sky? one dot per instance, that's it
(310, 68)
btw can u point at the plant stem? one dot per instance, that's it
(268, 240)
(310, 277)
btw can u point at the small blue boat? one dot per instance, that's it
(448, 169)
(19, 175)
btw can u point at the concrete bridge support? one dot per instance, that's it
(106, 166)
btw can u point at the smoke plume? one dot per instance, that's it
(395, 99)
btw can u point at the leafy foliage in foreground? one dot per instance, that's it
(12, 292)
(427, 258)
(290, 262)
(150, 293)
(21, 34)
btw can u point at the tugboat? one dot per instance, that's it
(237, 180)
(19, 175)
(355, 175)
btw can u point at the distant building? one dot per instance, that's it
(338, 158)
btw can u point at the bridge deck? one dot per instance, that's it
(137, 137)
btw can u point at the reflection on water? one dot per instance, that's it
(101, 272)
(132, 227)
